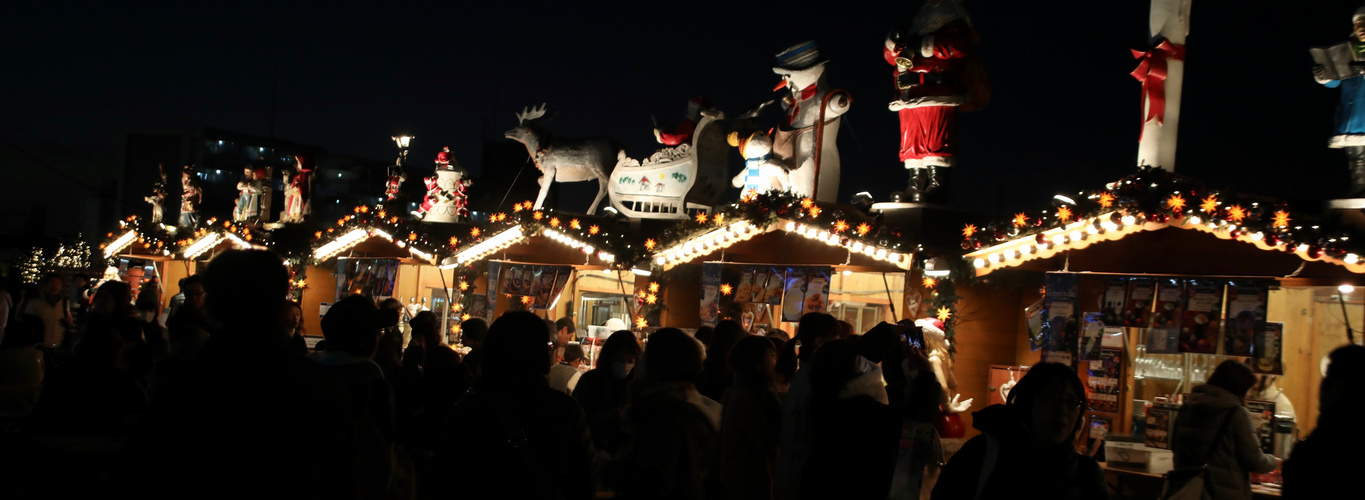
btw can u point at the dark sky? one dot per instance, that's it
(1064, 114)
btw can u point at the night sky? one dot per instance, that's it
(1064, 114)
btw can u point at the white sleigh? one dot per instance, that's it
(674, 181)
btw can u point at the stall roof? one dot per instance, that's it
(606, 241)
(1154, 202)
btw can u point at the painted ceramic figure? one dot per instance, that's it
(933, 76)
(562, 160)
(762, 172)
(683, 132)
(298, 206)
(1342, 66)
(808, 138)
(949, 424)
(158, 196)
(249, 191)
(190, 196)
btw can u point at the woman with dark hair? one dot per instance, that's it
(1315, 468)
(670, 428)
(853, 449)
(750, 422)
(1025, 449)
(513, 422)
(291, 319)
(813, 330)
(716, 375)
(602, 391)
(1214, 429)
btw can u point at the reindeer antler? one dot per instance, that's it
(528, 113)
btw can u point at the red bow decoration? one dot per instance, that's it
(1151, 71)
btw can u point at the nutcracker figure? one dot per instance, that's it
(936, 73)
(158, 196)
(190, 196)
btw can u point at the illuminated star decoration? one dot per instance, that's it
(654, 287)
(1176, 202)
(806, 203)
(382, 214)
(516, 208)
(465, 317)
(1281, 219)
(969, 230)
(814, 212)
(474, 232)
(749, 196)
(526, 299)
(593, 229)
(651, 299)
(554, 221)
(364, 209)
(720, 219)
(464, 285)
(649, 244)
(840, 226)
(725, 289)
(1063, 213)
(944, 314)
(1106, 199)
(863, 229)
(356, 210)
(498, 217)
(393, 220)
(454, 241)
(1020, 220)
(573, 224)
(1210, 204)
(640, 294)
(930, 282)
(1237, 213)
(641, 323)
(538, 215)
(701, 218)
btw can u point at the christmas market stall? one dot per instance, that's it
(1151, 281)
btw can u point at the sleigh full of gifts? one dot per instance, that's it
(674, 181)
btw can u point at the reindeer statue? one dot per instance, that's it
(564, 160)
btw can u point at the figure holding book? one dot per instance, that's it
(1342, 65)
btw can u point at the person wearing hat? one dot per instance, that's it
(1350, 130)
(802, 69)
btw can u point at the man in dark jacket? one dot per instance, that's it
(1235, 452)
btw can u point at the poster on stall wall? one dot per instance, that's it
(1112, 301)
(816, 298)
(1092, 335)
(794, 295)
(1060, 296)
(1245, 317)
(710, 293)
(369, 277)
(561, 280)
(1170, 304)
(1106, 374)
(774, 284)
(1137, 309)
(1199, 329)
(478, 306)
(1033, 319)
(1262, 420)
(491, 298)
(745, 291)
(1267, 347)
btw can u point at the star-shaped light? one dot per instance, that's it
(654, 287)
(526, 299)
(807, 203)
(538, 215)
(840, 226)
(458, 307)
(930, 282)
(474, 232)
(725, 289)
(382, 214)
(1176, 202)
(863, 229)
(968, 230)
(641, 323)
(393, 220)
(1063, 213)
(315, 235)
(1209, 204)
(944, 314)
(1020, 220)
(465, 317)
(720, 219)
(593, 229)
(554, 221)
(1106, 199)
(516, 208)
(574, 224)
(412, 236)
(1281, 219)
(640, 294)
(650, 244)
(651, 299)
(341, 221)
(357, 209)
(499, 216)
(1237, 213)
(701, 218)
(464, 286)
(364, 209)
(749, 196)
(454, 242)
(814, 212)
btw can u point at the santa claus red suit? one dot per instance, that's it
(683, 132)
(444, 158)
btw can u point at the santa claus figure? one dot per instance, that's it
(936, 73)
(683, 132)
(444, 159)
(948, 423)
(301, 186)
(394, 184)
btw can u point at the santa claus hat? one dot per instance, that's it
(931, 327)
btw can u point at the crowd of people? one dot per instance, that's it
(226, 400)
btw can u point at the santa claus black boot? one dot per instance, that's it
(1357, 171)
(939, 180)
